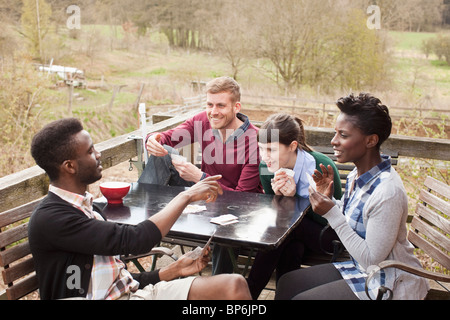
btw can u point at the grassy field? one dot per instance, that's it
(410, 40)
(419, 75)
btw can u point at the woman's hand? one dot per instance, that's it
(282, 184)
(320, 203)
(324, 180)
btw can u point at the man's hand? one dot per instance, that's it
(184, 266)
(208, 190)
(189, 267)
(154, 146)
(188, 171)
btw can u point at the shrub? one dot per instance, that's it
(439, 46)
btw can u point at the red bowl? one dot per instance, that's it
(115, 191)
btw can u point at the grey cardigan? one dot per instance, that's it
(384, 217)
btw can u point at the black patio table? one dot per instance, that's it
(264, 221)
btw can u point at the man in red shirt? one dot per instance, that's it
(228, 142)
(227, 139)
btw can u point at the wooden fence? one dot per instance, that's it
(31, 184)
(294, 104)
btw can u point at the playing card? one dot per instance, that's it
(224, 219)
(312, 183)
(195, 254)
(193, 208)
(198, 252)
(289, 172)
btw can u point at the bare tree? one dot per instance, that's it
(410, 15)
(36, 23)
(290, 34)
(232, 35)
(316, 43)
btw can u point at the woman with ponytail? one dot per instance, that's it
(286, 161)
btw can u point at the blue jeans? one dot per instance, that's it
(161, 171)
(221, 260)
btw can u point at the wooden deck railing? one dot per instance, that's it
(31, 184)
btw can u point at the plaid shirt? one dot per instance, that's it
(109, 278)
(353, 207)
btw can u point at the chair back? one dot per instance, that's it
(16, 262)
(430, 227)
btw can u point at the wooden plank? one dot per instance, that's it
(18, 214)
(12, 235)
(18, 271)
(13, 254)
(434, 201)
(435, 294)
(434, 218)
(430, 249)
(438, 186)
(22, 187)
(431, 233)
(23, 288)
(345, 167)
(427, 148)
(116, 151)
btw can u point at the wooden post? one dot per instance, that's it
(111, 103)
(324, 116)
(116, 90)
(39, 28)
(138, 100)
(69, 111)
